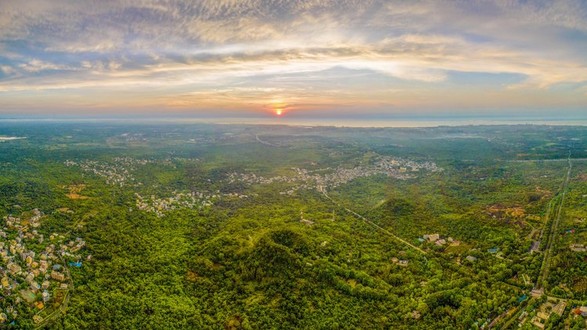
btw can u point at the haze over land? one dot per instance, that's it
(308, 58)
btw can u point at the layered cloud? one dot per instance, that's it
(215, 54)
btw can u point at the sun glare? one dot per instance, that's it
(279, 112)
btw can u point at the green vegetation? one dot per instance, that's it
(204, 226)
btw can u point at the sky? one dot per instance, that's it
(323, 58)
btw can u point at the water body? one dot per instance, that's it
(312, 122)
(408, 123)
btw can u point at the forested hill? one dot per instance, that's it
(177, 226)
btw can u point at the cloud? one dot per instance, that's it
(169, 46)
(36, 65)
(7, 70)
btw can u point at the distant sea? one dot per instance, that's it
(404, 122)
(336, 122)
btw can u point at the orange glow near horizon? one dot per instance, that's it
(284, 59)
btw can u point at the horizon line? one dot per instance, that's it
(417, 121)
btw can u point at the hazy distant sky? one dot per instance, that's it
(326, 57)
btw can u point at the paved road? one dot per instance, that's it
(544, 269)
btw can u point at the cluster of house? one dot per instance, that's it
(578, 247)
(31, 266)
(115, 174)
(390, 167)
(392, 164)
(333, 177)
(439, 241)
(400, 262)
(179, 200)
(544, 312)
(582, 310)
(119, 171)
(134, 137)
(252, 178)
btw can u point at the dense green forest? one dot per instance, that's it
(179, 226)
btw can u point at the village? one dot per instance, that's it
(393, 167)
(118, 173)
(540, 308)
(543, 307)
(180, 200)
(34, 270)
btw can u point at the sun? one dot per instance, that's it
(278, 111)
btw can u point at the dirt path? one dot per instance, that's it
(372, 223)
